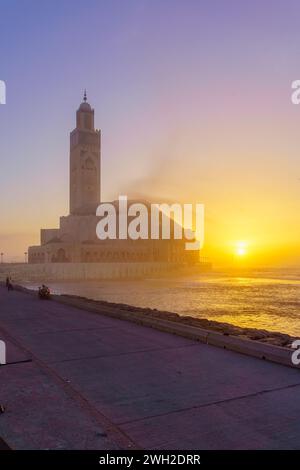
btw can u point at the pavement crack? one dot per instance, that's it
(214, 403)
(126, 353)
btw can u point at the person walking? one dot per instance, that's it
(9, 283)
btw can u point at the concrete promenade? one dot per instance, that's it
(79, 380)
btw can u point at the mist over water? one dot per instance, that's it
(258, 299)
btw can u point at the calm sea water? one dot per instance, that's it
(261, 299)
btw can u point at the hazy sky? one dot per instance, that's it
(193, 100)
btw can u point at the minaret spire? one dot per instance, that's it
(84, 162)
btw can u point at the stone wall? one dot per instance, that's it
(82, 271)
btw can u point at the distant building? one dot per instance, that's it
(75, 240)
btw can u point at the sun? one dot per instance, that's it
(241, 251)
(241, 248)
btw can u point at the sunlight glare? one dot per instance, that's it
(241, 249)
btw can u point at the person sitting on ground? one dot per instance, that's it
(44, 291)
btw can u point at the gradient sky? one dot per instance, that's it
(193, 100)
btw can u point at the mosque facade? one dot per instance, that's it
(76, 241)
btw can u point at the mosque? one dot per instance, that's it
(76, 241)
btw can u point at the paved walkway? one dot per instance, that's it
(79, 380)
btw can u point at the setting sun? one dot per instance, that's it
(241, 249)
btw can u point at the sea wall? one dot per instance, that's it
(82, 271)
(266, 345)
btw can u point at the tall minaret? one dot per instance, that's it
(84, 162)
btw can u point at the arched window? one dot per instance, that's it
(89, 164)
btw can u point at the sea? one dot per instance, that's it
(263, 299)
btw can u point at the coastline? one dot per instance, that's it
(124, 380)
(227, 329)
(274, 338)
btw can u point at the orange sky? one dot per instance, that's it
(200, 111)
